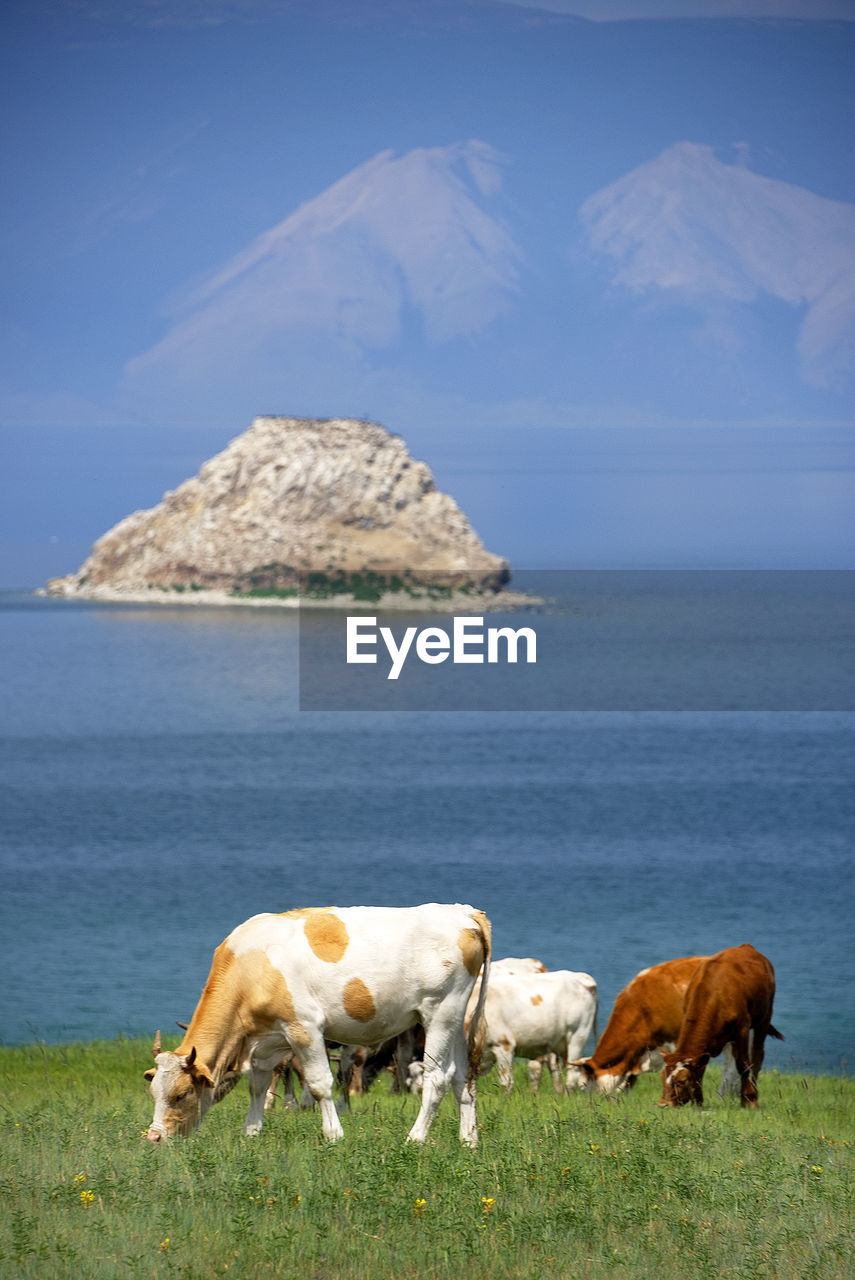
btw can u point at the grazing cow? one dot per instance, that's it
(413, 1065)
(527, 964)
(728, 1002)
(352, 974)
(647, 1016)
(530, 1015)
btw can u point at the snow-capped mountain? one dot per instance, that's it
(417, 235)
(690, 228)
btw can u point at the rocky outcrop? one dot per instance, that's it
(293, 500)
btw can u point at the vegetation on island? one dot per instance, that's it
(565, 1187)
(282, 581)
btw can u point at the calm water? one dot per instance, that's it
(159, 785)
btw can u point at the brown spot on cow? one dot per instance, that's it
(537, 999)
(325, 932)
(358, 1001)
(471, 944)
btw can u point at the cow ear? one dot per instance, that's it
(584, 1064)
(702, 1061)
(150, 1074)
(198, 1071)
(201, 1075)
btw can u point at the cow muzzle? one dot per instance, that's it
(156, 1135)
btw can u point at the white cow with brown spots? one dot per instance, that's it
(520, 964)
(355, 975)
(535, 1015)
(528, 964)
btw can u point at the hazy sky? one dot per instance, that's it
(597, 268)
(621, 10)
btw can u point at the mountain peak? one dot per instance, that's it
(398, 233)
(690, 225)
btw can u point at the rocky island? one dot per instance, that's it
(297, 509)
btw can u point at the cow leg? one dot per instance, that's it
(318, 1079)
(535, 1070)
(270, 1099)
(405, 1050)
(260, 1076)
(742, 1059)
(446, 1054)
(756, 1054)
(350, 1064)
(465, 1093)
(504, 1055)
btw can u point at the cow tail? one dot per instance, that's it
(773, 1031)
(477, 1034)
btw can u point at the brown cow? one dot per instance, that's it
(728, 1002)
(647, 1015)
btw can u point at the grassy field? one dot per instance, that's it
(561, 1186)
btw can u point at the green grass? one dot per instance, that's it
(568, 1187)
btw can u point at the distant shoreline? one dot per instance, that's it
(458, 602)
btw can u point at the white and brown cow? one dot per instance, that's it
(520, 964)
(532, 1015)
(728, 1002)
(528, 964)
(355, 975)
(647, 1016)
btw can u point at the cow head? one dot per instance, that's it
(183, 1090)
(681, 1080)
(610, 1082)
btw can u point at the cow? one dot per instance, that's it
(647, 1016)
(728, 1002)
(528, 964)
(410, 1063)
(354, 975)
(531, 1015)
(519, 964)
(404, 1054)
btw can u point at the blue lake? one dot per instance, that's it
(160, 784)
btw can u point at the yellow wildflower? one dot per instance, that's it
(420, 1206)
(86, 1197)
